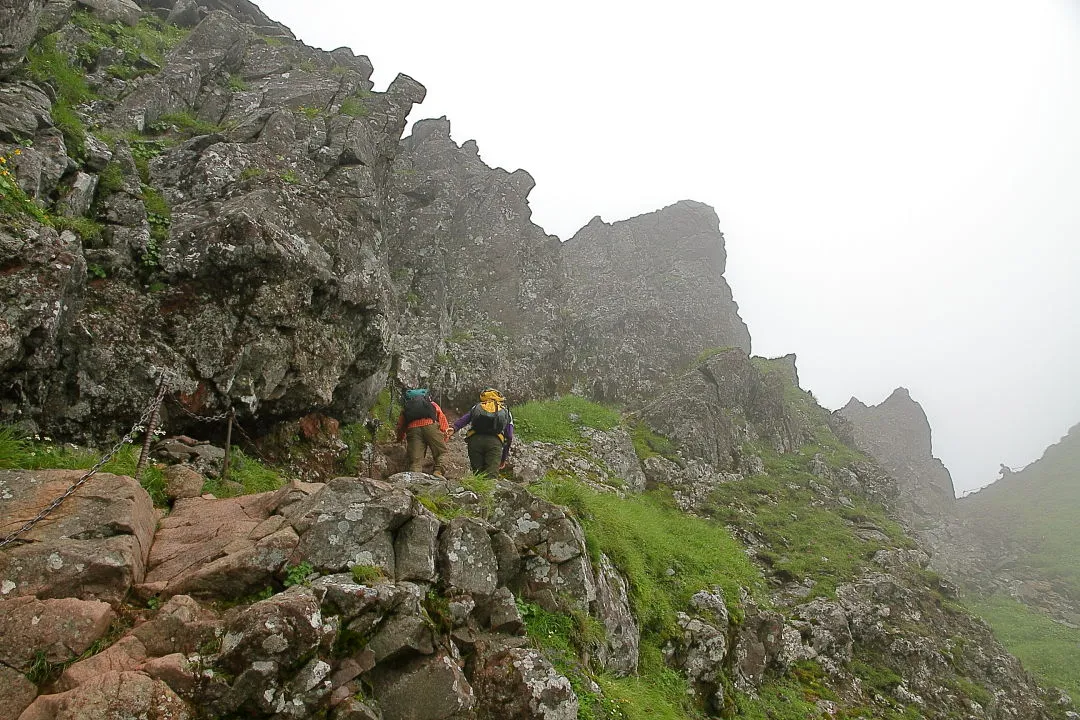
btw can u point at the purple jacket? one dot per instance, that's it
(508, 435)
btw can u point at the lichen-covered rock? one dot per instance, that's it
(180, 626)
(429, 688)
(93, 546)
(58, 629)
(619, 655)
(352, 521)
(466, 559)
(521, 683)
(109, 696)
(283, 628)
(556, 565)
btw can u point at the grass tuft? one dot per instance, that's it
(561, 420)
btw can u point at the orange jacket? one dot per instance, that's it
(402, 427)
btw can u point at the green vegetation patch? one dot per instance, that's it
(648, 443)
(151, 37)
(666, 555)
(561, 420)
(185, 123)
(253, 477)
(18, 452)
(805, 539)
(1048, 649)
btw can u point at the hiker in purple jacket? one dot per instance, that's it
(491, 432)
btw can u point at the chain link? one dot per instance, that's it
(200, 418)
(251, 442)
(129, 437)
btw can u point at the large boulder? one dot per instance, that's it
(428, 688)
(110, 696)
(57, 630)
(520, 683)
(221, 548)
(352, 521)
(93, 546)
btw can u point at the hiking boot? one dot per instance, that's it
(439, 474)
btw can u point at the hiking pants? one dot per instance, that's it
(485, 453)
(418, 440)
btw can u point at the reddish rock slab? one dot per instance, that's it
(94, 546)
(128, 653)
(111, 696)
(61, 629)
(16, 693)
(220, 548)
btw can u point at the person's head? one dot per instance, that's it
(490, 394)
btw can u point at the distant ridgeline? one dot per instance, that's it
(191, 198)
(1014, 545)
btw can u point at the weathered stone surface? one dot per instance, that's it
(619, 655)
(447, 204)
(350, 522)
(182, 482)
(521, 683)
(556, 563)
(124, 11)
(18, 25)
(185, 13)
(400, 636)
(502, 614)
(109, 696)
(283, 629)
(647, 295)
(725, 401)
(127, 654)
(16, 693)
(414, 549)
(180, 626)
(466, 559)
(219, 548)
(60, 629)
(78, 195)
(426, 689)
(94, 545)
(896, 433)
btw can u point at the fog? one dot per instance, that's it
(898, 184)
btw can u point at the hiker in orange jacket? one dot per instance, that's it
(423, 424)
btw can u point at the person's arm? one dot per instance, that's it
(401, 427)
(509, 440)
(463, 421)
(441, 418)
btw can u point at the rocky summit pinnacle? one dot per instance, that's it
(897, 434)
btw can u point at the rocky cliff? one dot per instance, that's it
(897, 434)
(189, 193)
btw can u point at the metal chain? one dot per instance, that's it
(129, 437)
(201, 418)
(251, 442)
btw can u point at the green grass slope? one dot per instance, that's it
(1037, 509)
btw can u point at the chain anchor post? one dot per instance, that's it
(151, 426)
(228, 446)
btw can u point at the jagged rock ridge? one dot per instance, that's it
(897, 434)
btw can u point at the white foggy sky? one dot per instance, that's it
(898, 183)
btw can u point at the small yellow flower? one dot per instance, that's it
(3, 159)
(18, 152)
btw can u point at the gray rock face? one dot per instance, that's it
(724, 401)
(646, 296)
(478, 282)
(521, 683)
(277, 294)
(18, 25)
(896, 433)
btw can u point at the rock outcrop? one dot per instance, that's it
(896, 433)
(645, 297)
